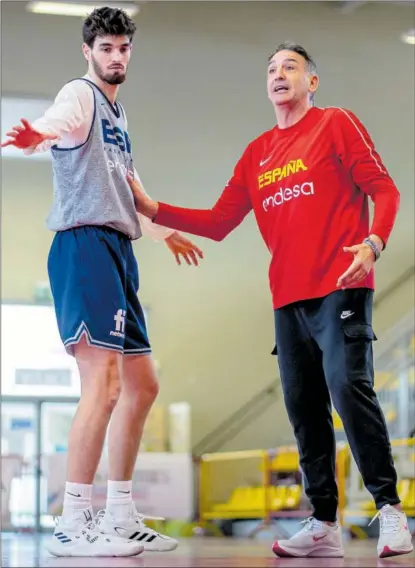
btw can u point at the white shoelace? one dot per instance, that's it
(99, 516)
(89, 529)
(389, 519)
(310, 524)
(139, 517)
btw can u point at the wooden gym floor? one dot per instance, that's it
(27, 550)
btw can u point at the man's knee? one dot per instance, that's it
(100, 372)
(148, 388)
(107, 387)
(152, 388)
(351, 393)
(111, 382)
(140, 377)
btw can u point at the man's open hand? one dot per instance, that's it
(364, 259)
(180, 246)
(26, 136)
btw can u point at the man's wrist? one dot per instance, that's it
(172, 235)
(152, 209)
(374, 246)
(378, 242)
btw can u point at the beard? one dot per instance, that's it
(114, 77)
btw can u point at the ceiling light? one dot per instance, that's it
(409, 37)
(81, 9)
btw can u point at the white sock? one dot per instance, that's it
(119, 498)
(78, 496)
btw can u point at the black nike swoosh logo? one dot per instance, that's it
(127, 492)
(118, 529)
(73, 494)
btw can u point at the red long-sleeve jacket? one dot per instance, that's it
(308, 186)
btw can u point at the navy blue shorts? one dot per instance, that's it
(94, 280)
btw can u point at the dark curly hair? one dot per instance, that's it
(107, 21)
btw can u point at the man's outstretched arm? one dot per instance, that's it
(180, 246)
(216, 223)
(72, 109)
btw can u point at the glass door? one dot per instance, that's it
(56, 420)
(19, 431)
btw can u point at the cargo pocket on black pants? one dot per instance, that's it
(363, 418)
(358, 350)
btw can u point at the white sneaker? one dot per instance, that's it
(79, 536)
(316, 539)
(134, 529)
(394, 537)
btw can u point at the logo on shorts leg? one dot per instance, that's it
(119, 319)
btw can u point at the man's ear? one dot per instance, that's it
(86, 50)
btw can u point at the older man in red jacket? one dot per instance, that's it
(308, 180)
